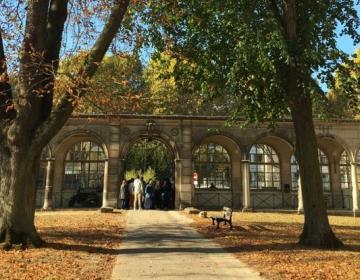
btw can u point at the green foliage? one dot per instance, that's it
(132, 173)
(163, 93)
(241, 50)
(345, 91)
(118, 85)
(126, 86)
(123, 85)
(172, 90)
(150, 158)
(148, 174)
(226, 57)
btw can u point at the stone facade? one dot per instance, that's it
(182, 135)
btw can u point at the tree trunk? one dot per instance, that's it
(317, 231)
(17, 197)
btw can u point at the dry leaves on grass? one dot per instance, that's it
(267, 242)
(80, 245)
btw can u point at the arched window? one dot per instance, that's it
(213, 165)
(41, 175)
(324, 170)
(264, 167)
(294, 173)
(345, 171)
(84, 166)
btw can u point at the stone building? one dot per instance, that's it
(214, 165)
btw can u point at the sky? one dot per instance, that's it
(345, 43)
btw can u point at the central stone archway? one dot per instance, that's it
(153, 159)
(168, 142)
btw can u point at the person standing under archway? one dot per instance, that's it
(138, 193)
(124, 195)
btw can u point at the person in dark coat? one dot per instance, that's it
(166, 194)
(149, 194)
(124, 195)
(157, 195)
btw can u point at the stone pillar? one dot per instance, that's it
(48, 194)
(121, 172)
(105, 200)
(183, 169)
(177, 182)
(236, 192)
(245, 168)
(185, 193)
(355, 189)
(115, 174)
(300, 198)
(112, 171)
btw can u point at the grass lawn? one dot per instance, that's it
(267, 242)
(80, 245)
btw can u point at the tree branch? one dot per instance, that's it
(7, 110)
(32, 64)
(275, 10)
(35, 28)
(290, 21)
(102, 44)
(54, 31)
(67, 103)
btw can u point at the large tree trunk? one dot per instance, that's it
(17, 197)
(317, 231)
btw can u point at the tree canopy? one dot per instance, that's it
(117, 86)
(124, 84)
(239, 50)
(344, 93)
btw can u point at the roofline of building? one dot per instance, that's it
(196, 117)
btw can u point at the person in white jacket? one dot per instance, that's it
(138, 192)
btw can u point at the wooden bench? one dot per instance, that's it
(226, 218)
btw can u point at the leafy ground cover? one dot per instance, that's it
(267, 242)
(79, 245)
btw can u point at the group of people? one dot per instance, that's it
(138, 194)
